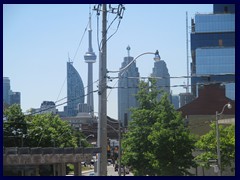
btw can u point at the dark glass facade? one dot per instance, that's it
(223, 8)
(6, 90)
(75, 90)
(212, 39)
(213, 49)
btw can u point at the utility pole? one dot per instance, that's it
(102, 103)
(119, 148)
(102, 87)
(218, 146)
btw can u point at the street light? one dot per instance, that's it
(102, 99)
(156, 58)
(218, 138)
(90, 135)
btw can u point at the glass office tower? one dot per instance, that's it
(6, 90)
(213, 49)
(75, 90)
(160, 71)
(127, 89)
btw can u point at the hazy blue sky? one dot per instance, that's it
(38, 38)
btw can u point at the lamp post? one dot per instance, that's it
(156, 58)
(90, 135)
(218, 137)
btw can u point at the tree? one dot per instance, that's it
(208, 145)
(49, 130)
(14, 126)
(41, 130)
(157, 143)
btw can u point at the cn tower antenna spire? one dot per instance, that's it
(90, 20)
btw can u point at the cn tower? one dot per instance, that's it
(90, 58)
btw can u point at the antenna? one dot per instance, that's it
(187, 88)
(68, 57)
(90, 25)
(128, 49)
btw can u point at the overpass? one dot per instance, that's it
(28, 160)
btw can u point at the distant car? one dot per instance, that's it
(109, 161)
(91, 174)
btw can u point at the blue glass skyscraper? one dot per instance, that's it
(75, 90)
(213, 49)
(6, 90)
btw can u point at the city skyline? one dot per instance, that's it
(42, 36)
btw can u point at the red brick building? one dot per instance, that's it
(202, 111)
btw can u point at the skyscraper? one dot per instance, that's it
(213, 49)
(75, 90)
(127, 89)
(15, 98)
(175, 101)
(10, 97)
(6, 90)
(160, 71)
(90, 58)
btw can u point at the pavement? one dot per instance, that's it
(110, 172)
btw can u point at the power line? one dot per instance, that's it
(164, 86)
(42, 110)
(176, 77)
(65, 101)
(81, 39)
(80, 42)
(119, 11)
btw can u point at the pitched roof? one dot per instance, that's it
(211, 99)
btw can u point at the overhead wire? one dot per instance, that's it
(164, 86)
(79, 44)
(119, 14)
(45, 109)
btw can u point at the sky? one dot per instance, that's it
(39, 38)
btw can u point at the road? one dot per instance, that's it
(110, 172)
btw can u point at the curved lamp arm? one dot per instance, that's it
(226, 105)
(156, 58)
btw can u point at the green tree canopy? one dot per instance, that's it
(208, 146)
(49, 130)
(41, 130)
(157, 143)
(14, 126)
